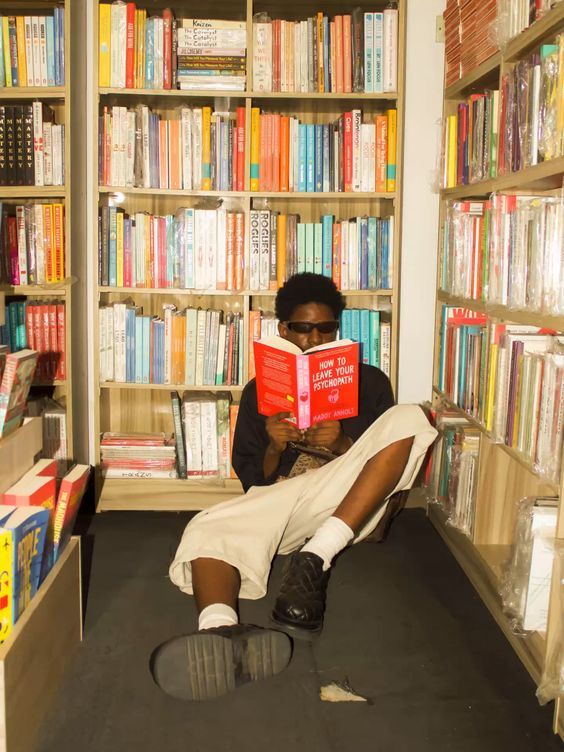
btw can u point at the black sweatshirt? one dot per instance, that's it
(250, 440)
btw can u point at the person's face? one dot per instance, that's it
(308, 313)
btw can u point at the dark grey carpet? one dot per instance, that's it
(403, 626)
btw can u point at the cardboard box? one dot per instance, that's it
(19, 450)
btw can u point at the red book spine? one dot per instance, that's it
(61, 342)
(53, 361)
(29, 332)
(130, 46)
(45, 357)
(59, 234)
(276, 152)
(37, 335)
(348, 152)
(234, 160)
(241, 136)
(163, 282)
(167, 48)
(13, 250)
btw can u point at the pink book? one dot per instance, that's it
(338, 54)
(275, 152)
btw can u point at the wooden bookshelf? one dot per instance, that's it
(67, 101)
(128, 407)
(504, 475)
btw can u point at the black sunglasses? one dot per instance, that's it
(306, 327)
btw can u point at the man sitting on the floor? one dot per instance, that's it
(226, 552)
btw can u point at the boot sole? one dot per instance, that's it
(205, 666)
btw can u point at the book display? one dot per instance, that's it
(499, 349)
(234, 150)
(36, 209)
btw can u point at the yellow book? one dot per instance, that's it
(6, 46)
(392, 141)
(451, 154)
(518, 404)
(281, 249)
(255, 147)
(20, 41)
(6, 583)
(491, 386)
(104, 45)
(206, 148)
(320, 58)
(560, 96)
(119, 248)
(49, 242)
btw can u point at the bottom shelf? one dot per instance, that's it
(163, 495)
(483, 567)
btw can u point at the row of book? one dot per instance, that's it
(32, 50)
(505, 250)
(192, 346)
(510, 377)
(189, 148)
(53, 416)
(37, 516)
(32, 243)
(40, 326)
(354, 52)
(192, 249)
(356, 253)
(470, 35)
(514, 16)
(32, 145)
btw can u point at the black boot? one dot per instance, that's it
(301, 602)
(209, 663)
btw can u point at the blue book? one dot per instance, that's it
(21, 330)
(355, 324)
(112, 247)
(310, 159)
(326, 158)
(319, 158)
(150, 53)
(374, 324)
(364, 326)
(61, 25)
(345, 329)
(317, 248)
(181, 256)
(139, 349)
(326, 55)
(50, 45)
(130, 345)
(327, 245)
(2, 71)
(301, 247)
(302, 157)
(309, 248)
(145, 345)
(385, 251)
(363, 252)
(372, 268)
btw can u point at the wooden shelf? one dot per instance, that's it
(219, 293)
(55, 382)
(474, 79)
(504, 313)
(32, 92)
(56, 288)
(171, 387)
(482, 567)
(180, 94)
(550, 23)
(544, 176)
(244, 194)
(132, 494)
(32, 191)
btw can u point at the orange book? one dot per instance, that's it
(262, 153)
(347, 55)
(230, 251)
(233, 413)
(71, 492)
(276, 152)
(239, 251)
(281, 250)
(59, 242)
(381, 153)
(163, 153)
(332, 61)
(254, 334)
(48, 242)
(338, 85)
(175, 152)
(284, 153)
(337, 254)
(269, 146)
(320, 67)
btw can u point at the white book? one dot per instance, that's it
(36, 53)
(345, 224)
(369, 53)
(110, 339)
(221, 264)
(201, 326)
(126, 472)
(262, 57)
(22, 244)
(264, 249)
(159, 53)
(294, 164)
(357, 155)
(48, 154)
(297, 56)
(353, 256)
(102, 343)
(39, 243)
(208, 418)
(43, 50)
(385, 347)
(254, 250)
(303, 57)
(190, 346)
(210, 245)
(28, 34)
(145, 146)
(209, 38)
(58, 154)
(377, 55)
(140, 248)
(543, 531)
(115, 43)
(371, 183)
(223, 438)
(365, 164)
(197, 148)
(186, 133)
(123, 131)
(156, 241)
(189, 266)
(222, 336)
(38, 143)
(193, 436)
(114, 157)
(168, 311)
(130, 150)
(119, 342)
(390, 49)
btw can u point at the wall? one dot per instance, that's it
(423, 108)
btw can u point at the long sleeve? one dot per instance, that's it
(250, 441)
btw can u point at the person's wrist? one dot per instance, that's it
(344, 443)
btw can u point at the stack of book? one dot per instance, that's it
(54, 429)
(137, 455)
(193, 346)
(41, 326)
(356, 253)
(193, 249)
(32, 50)
(451, 18)
(208, 422)
(470, 35)
(517, 15)
(32, 243)
(345, 155)
(32, 145)
(351, 53)
(189, 148)
(211, 54)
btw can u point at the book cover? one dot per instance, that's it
(16, 381)
(71, 491)
(317, 385)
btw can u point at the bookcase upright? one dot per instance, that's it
(146, 407)
(504, 476)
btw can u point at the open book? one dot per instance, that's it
(316, 385)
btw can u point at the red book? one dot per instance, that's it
(16, 381)
(167, 48)
(53, 358)
(275, 151)
(29, 331)
(348, 151)
(316, 385)
(130, 46)
(13, 250)
(234, 160)
(71, 492)
(241, 148)
(61, 342)
(45, 356)
(33, 490)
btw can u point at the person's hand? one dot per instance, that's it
(328, 434)
(280, 432)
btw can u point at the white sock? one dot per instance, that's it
(217, 615)
(329, 539)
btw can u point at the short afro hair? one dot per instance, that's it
(305, 288)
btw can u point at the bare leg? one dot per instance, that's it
(376, 481)
(215, 581)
